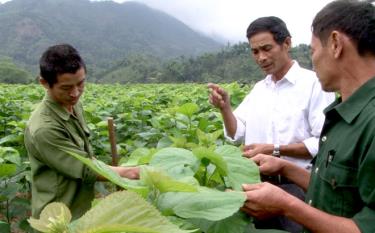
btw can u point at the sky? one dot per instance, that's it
(227, 20)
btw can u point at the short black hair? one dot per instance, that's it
(271, 24)
(59, 59)
(354, 18)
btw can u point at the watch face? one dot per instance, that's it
(276, 150)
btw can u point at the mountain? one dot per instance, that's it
(104, 32)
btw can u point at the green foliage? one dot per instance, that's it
(233, 63)
(182, 196)
(104, 32)
(121, 43)
(148, 118)
(10, 73)
(302, 54)
(54, 218)
(133, 214)
(4, 227)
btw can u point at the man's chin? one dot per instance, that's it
(73, 102)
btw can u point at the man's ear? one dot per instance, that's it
(44, 83)
(336, 44)
(288, 43)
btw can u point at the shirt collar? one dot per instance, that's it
(56, 107)
(353, 106)
(291, 76)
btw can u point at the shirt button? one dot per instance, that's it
(316, 170)
(324, 138)
(333, 183)
(310, 202)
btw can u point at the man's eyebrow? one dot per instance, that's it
(261, 46)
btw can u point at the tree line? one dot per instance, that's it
(232, 63)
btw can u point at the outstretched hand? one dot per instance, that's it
(218, 97)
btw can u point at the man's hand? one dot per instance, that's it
(257, 148)
(264, 200)
(269, 165)
(127, 172)
(218, 97)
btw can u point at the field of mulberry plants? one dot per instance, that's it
(170, 130)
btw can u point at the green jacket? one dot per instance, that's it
(342, 178)
(56, 176)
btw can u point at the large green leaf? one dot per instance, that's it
(163, 182)
(130, 210)
(207, 204)
(138, 157)
(214, 158)
(13, 138)
(240, 170)
(4, 227)
(9, 191)
(237, 223)
(176, 161)
(54, 218)
(10, 154)
(207, 139)
(7, 169)
(188, 109)
(106, 172)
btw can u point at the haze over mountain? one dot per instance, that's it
(104, 32)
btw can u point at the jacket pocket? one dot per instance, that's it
(341, 185)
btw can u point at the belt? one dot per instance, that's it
(277, 180)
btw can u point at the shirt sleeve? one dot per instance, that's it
(318, 102)
(240, 115)
(52, 144)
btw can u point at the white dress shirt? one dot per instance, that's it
(285, 112)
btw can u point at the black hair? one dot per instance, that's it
(271, 24)
(57, 60)
(354, 18)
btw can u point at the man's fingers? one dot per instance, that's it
(213, 86)
(250, 153)
(251, 187)
(257, 159)
(216, 95)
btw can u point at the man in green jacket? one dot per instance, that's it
(341, 186)
(57, 125)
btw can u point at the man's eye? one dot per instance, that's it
(267, 48)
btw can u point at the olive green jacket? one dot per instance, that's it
(56, 176)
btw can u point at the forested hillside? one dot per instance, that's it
(121, 43)
(104, 32)
(232, 64)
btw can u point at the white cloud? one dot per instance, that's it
(229, 18)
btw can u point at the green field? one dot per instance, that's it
(150, 120)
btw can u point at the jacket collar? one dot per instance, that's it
(353, 106)
(57, 108)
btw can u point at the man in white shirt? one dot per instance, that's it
(283, 114)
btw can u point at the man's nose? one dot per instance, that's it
(74, 92)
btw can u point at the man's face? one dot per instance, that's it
(271, 57)
(321, 64)
(68, 88)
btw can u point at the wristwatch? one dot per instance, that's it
(276, 150)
